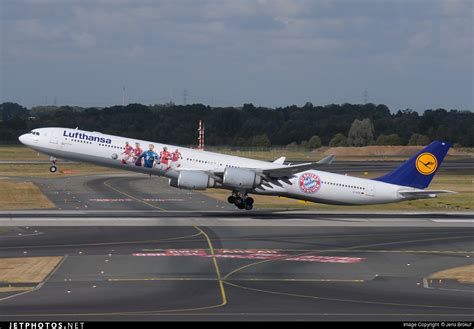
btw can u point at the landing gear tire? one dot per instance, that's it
(239, 202)
(53, 169)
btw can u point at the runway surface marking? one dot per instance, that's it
(356, 250)
(218, 272)
(183, 239)
(246, 279)
(20, 235)
(131, 200)
(96, 244)
(151, 312)
(132, 197)
(343, 300)
(355, 247)
(163, 312)
(165, 200)
(111, 200)
(250, 254)
(453, 220)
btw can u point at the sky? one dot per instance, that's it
(413, 54)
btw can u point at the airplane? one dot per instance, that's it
(193, 169)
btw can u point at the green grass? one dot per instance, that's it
(42, 170)
(5, 230)
(24, 195)
(19, 152)
(463, 274)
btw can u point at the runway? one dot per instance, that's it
(238, 272)
(268, 218)
(156, 257)
(135, 192)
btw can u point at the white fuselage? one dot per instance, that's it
(106, 150)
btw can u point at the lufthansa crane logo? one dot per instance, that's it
(426, 163)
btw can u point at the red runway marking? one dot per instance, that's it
(111, 200)
(251, 254)
(163, 200)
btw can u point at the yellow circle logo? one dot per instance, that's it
(426, 163)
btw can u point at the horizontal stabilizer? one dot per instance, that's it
(423, 194)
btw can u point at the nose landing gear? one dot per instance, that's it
(241, 200)
(53, 167)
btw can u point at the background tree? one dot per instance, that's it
(338, 140)
(292, 146)
(418, 139)
(176, 124)
(315, 142)
(9, 111)
(261, 141)
(361, 133)
(392, 139)
(305, 145)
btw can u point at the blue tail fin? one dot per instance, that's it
(419, 170)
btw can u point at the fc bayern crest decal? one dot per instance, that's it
(310, 183)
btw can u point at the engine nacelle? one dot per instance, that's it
(192, 180)
(241, 178)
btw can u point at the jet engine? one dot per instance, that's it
(241, 178)
(192, 180)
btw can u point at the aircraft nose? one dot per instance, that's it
(22, 138)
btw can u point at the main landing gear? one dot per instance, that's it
(53, 167)
(241, 200)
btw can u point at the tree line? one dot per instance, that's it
(307, 126)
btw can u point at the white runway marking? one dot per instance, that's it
(453, 220)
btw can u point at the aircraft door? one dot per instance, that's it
(370, 190)
(54, 136)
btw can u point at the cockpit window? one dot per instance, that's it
(35, 133)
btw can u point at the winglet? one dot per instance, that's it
(327, 160)
(280, 160)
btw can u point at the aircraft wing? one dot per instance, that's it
(290, 170)
(423, 194)
(275, 172)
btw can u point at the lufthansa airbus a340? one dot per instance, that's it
(196, 169)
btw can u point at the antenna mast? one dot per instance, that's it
(201, 135)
